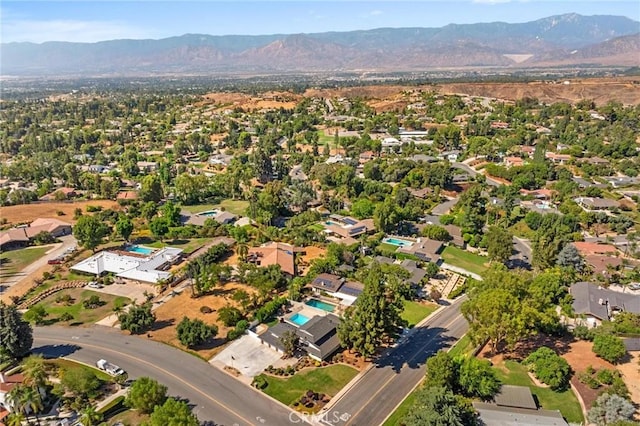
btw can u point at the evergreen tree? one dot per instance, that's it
(16, 335)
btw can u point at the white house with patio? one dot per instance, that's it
(139, 265)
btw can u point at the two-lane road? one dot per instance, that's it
(376, 394)
(216, 396)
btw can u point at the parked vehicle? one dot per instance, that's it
(94, 284)
(55, 261)
(109, 368)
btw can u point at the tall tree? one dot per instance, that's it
(438, 406)
(151, 188)
(172, 412)
(569, 257)
(124, 226)
(146, 394)
(376, 314)
(34, 371)
(90, 231)
(138, 319)
(90, 416)
(16, 335)
(499, 244)
(194, 332)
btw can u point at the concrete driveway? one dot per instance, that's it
(247, 355)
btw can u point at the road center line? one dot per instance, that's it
(75, 343)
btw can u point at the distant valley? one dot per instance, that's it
(565, 40)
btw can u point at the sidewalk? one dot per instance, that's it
(110, 398)
(461, 271)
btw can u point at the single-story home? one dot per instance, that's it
(21, 236)
(338, 287)
(67, 193)
(598, 304)
(273, 253)
(515, 405)
(596, 203)
(149, 268)
(424, 249)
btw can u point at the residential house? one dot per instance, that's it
(67, 193)
(620, 181)
(99, 168)
(513, 162)
(418, 158)
(390, 142)
(499, 125)
(587, 249)
(538, 194)
(148, 268)
(424, 248)
(417, 273)
(298, 174)
(347, 227)
(598, 304)
(22, 236)
(328, 283)
(319, 336)
(558, 158)
(449, 155)
(6, 384)
(273, 253)
(338, 287)
(583, 183)
(420, 193)
(596, 203)
(124, 197)
(456, 235)
(601, 265)
(515, 405)
(147, 166)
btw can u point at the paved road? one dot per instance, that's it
(473, 172)
(216, 397)
(374, 397)
(522, 256)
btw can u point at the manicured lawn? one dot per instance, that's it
(514, 373)
(403, 409)
(129, 418)
(237, 207)
(14, 261)
(386, 247)
(316, 227)
(463, 259)
(327, 380)
(462, 347)
(66, 364)
(414, 312)
(81, 315)
(187, 245)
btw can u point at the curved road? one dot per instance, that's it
(216, 397)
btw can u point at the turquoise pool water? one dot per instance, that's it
(140, 250)
(397, 242)
(298, 319)
(320, 305)
(209, 213)
(330, 222)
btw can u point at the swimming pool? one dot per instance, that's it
(140, 250)
(298, 319)
(320, 305)
(209, 213)
(398, 242)
(330, 222)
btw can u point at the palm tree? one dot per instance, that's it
(90, 416)
(34, 371)
(15, 419)
(14, 399)
(243, 251)
(32, 401)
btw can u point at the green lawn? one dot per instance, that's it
(237, 207)
(463, 259)
(129, 418)
(327, 380)
(188, 245)
(316, 227)
(14, 261)
(66, 364)
(386, 247)
(414, 312)
(81, 315)
(514, 373)
(462, 347)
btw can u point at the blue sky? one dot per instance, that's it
(90, 21)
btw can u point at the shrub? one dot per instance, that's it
(229, 315)
(67, 316)
(259, 382)
(205, 310)
(91, 209)
(588, 380)
(549, 368)
(583, 333)
(93, 302)
(606, 377)
(608, 347)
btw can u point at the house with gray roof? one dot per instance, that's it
(319, 336)
(515, 405)
(598, 304)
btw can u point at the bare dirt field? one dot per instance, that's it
(395, 97)
(171, 313)
(29, 212)
(631, 372)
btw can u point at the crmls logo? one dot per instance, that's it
(330, 417)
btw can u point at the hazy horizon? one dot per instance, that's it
(84, 21)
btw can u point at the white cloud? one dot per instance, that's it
(375, 12)
(70, 30)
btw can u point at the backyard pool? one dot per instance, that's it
(320, 305)
(398, 242)
(140, 250)
(298, 319)
(209, 213)
(330, 222)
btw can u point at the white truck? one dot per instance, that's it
(109, 368)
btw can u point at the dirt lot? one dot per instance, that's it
(29, 212)
(631, 372)
(171, 313)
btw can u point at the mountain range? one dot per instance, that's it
(563, 40)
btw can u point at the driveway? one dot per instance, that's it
(247, 355)
(55, 251)
(134, 291)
